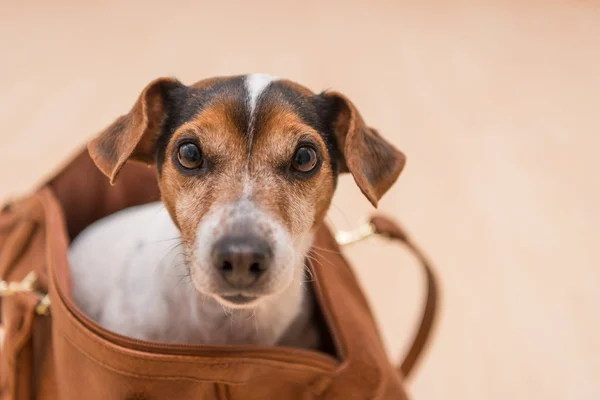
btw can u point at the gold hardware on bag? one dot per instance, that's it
(355, 235)
(43, 307)
(26, 286)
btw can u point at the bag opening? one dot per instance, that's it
(86, 195)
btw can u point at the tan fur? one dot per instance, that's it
(246, 186)
(300, 203)
(295, 203)
(224, 146)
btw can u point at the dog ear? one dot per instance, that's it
(373, 162)
(133, 135)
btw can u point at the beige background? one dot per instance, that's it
(497, 107)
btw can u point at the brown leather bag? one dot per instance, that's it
(56, 352)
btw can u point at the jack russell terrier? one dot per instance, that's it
(247, 167)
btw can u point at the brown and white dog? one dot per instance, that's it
(247, 167)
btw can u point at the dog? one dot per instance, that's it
(247, 167)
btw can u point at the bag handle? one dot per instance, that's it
(387, 228)
(29, 214)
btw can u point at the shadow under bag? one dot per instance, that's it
(52, 351)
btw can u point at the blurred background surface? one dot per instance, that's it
(497, 106)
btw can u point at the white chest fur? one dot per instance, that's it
(129, 275)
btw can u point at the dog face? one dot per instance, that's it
(247, 167)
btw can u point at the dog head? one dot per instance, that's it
(247, 167)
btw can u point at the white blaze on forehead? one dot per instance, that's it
(255, 85)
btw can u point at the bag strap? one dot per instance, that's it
(387, 228)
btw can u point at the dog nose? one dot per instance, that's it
(241, 260)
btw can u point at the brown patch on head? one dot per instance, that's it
(190, 194)
(300, 199)
(256, 165)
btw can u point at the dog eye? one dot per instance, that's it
(189, 156)
(305, 159)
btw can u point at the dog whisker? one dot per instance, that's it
(318, 261)
(325, 250)
(226, 311)
(308, 275)
(165, 240)
(183, 278)
(171, 249)
(251, 315)
(321, 259)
